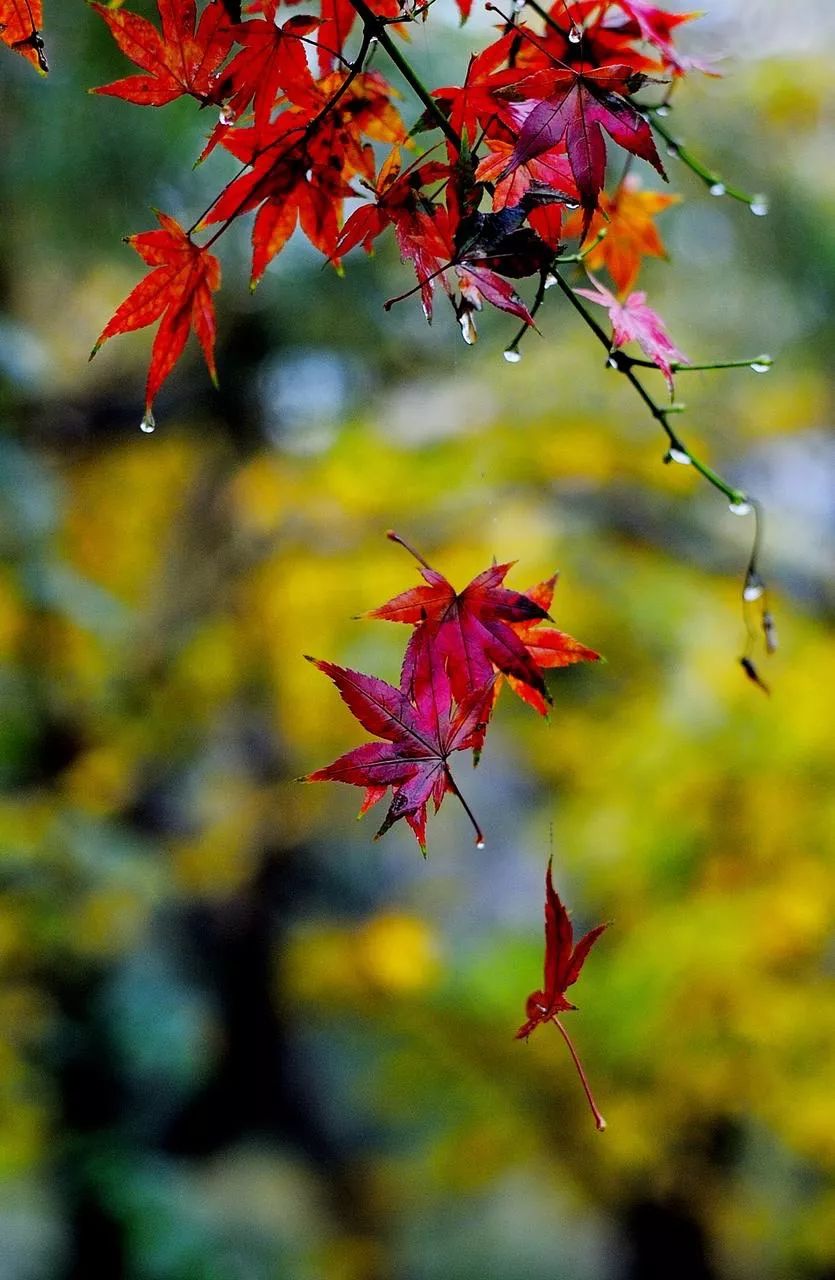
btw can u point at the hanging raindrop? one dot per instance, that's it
(759, 206)
(681, 456)
(479, 844)
(762, 364)
(741, 508)
(148, 423)
(512, 356)
(718, 189)
(575, 33)
(664, 109)
(754, 588)
(550, 281)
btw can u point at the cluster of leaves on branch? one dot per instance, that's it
(525, 171)
(463, 645)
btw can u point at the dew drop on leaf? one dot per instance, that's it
(512, 356)
(741, 508)
(148, 423)
(718, 189)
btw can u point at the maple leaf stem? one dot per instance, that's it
(376, 29)
(395, 537)
(764, 361)
(479, 834)
(598, 1118)
(677, 148)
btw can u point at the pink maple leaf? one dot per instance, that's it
(633, 321)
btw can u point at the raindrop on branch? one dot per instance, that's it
(512, 356)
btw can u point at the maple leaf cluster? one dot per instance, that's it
(529, 135)
(462, 646)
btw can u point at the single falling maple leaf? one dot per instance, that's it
(20, 28)
(181, 58)
(563, 963)
(577, 106)
(633, 321)
(419, 737)
(626, 220)
(470, 631)
(179, 291)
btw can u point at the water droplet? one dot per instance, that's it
(550, 281)
(673, 148)
(741, 508)
(571, 204)
(759, 206)
(681, 456)
(227, 116)
(575, 33)
(468, 330)
(148, 423)
(754, 588)
(663, 110)
(512, 356)
(762, 364)
(479, 844)
(612, 362)
(718, 189)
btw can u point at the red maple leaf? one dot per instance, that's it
(182, 58)
(576, 106)
(633, 321)
(178, 290)
(563, 962)
(473, 104)
(419, 737)
(467, 633)
(20, 28)
(301, 163)
(272, 59)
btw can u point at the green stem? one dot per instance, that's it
(377, 30)
(708, 176)
(763, 360)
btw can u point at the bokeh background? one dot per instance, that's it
(238, 1039)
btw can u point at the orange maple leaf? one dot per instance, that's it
(631, 234)
(20, 28)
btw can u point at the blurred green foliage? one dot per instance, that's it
(237, 1038)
